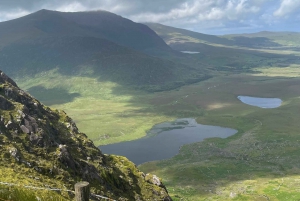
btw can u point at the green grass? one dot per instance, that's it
(258, 163)
(264, 150)
(18, 191)
(244, 166)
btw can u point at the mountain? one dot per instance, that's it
(100, 24)
(118, 29)
(265, 39)
(278, 40)
(173, 35)
(38, 142)
(111, 47)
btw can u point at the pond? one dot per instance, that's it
(261, 102)
(164, 140)
(190, 52)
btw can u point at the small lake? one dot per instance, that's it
(261, 102)
(190, 52)
(164, 140)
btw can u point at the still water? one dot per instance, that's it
(164, 140)
(261, 102)
(190, 52)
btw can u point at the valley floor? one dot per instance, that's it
(259, 163)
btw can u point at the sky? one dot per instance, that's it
(206, 16)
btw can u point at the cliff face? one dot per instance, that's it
(46, 143)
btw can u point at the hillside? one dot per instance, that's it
(260, 40)
(232, 53)
(38, 142)
(280, 40)
(176, 35)
(100, 24)
(98, 44)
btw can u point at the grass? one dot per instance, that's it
(265, 149)
(18, 191)
(260, 162)
(245, 166)
(107, 112)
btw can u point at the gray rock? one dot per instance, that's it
(22, 114)
(30, 123)
(13, 151)
(24, 129)
(4, 78)
(10, 125)
(156, 180)
(5, 104)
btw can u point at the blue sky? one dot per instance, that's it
(205, 16)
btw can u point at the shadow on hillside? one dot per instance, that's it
(255, 42)
(52, 96)
(232, 60)
(216, 163)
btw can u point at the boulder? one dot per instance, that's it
(5, 104)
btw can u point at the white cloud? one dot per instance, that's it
(198, 15)
(201, 10)
(12, 14)
(287, 7)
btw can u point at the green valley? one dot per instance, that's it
(117, 88)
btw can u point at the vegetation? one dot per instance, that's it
(112, 104)
(75, 46)
(43, 148)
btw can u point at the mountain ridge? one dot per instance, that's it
(47, 40)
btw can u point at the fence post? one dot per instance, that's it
(82, 191)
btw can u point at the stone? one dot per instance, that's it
(5, 104)
(24, 129)
(4, 78)
(10, 125)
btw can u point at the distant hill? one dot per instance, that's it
(279, 39)
(231, 53)
(111, 47)
(176, 35)
(259, 40)
(100, 24)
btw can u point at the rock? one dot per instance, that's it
(24, 129)
(8, 92)
(156, 180)
(30, 123)
(5, 104)
(13, 152)
(22, 114)
(36, 140)
(232, 195)
(153, 179)
(65, 157)
(4, 78)
(10, 125)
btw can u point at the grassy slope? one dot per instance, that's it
(259, 40)
(214, 168)
(251, 163)
(259, 162)
(286, 39)
(88, 41)
(225, 54)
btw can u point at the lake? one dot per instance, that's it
(190, 52)
(261, 102)
(164, 140)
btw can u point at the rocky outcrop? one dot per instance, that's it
(48, 142)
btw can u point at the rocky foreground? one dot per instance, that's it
(46, 143)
